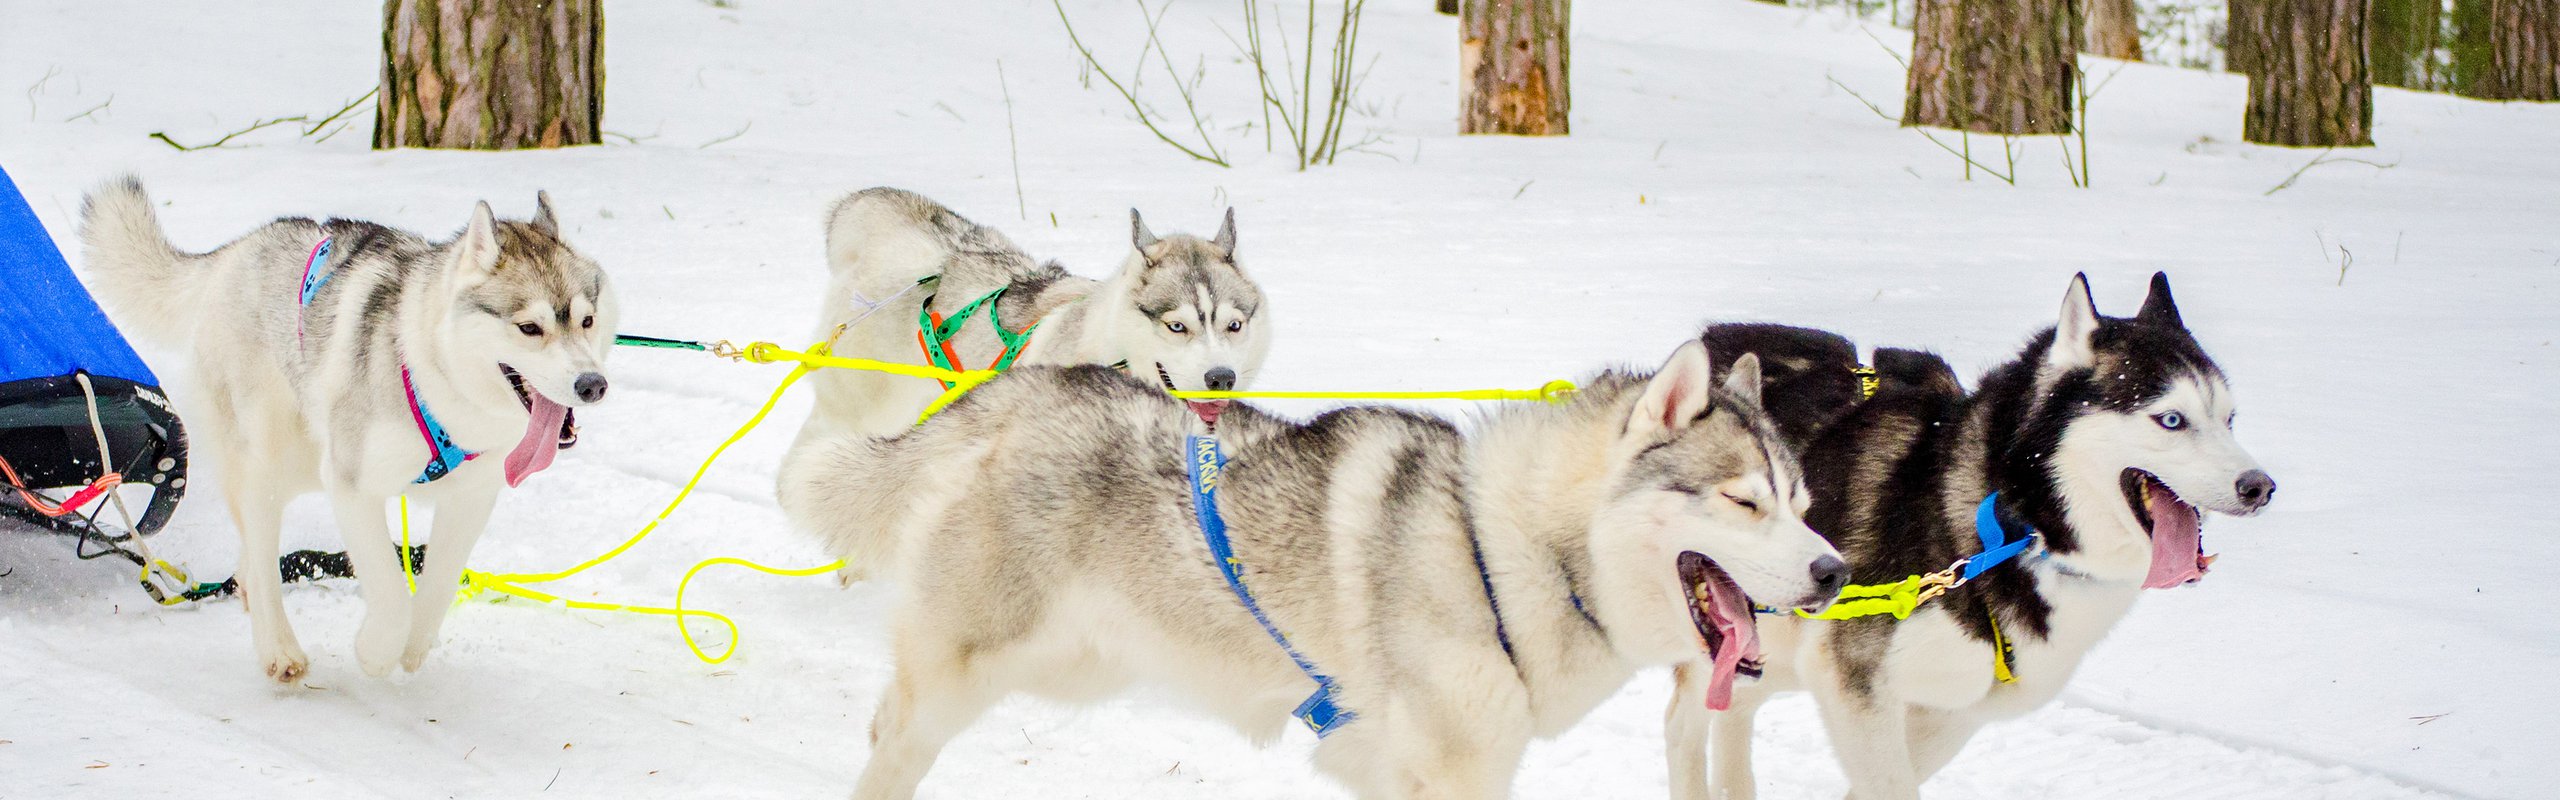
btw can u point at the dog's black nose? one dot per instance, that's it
(1829, 574)
(1221, 379)
(2256, 488)
(590, 387)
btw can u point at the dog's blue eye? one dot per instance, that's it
(1235, 326)
(1175, 327)
(529, 329)
(2171, 420)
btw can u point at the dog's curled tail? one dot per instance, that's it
(130, 264)
(882, 239)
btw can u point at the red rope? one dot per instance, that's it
(95, 489)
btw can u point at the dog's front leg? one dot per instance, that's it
(378, 578)
(1684, 734)
(460, 517)
(1936, 737)
(1868, 729)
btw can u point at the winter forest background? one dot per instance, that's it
(2359, 201)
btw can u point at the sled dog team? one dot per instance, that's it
(1430, 598)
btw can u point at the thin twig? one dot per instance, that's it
(1964, 154)
(742, 131)
(111, 99)
(1199, 72)
(1125, 94)
(1013, 143)
(38, 86)
(2323, 158)
(260, 125)
(342, 111)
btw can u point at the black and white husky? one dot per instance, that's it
(2101, 445)
(1465, 593)
(366, 362)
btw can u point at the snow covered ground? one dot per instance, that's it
(2378, 634)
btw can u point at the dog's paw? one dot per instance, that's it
(286, 664)
(415, 656)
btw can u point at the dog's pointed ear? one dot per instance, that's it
(1139, 236)
(542, 216)
(1677, 394)
(2072, 347)
(1226, 238)
(475, 255)
(1742, 380)
(2159, 308)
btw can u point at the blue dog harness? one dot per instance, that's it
(1320, 713)
(1997, 545)
(443, 456)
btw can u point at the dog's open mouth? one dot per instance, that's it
(1726, 628)
(551, 427)
(1207, 409)
(2177, 531)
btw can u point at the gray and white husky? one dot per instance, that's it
(2106, 439)
(366, 362)
(1465, 593)
(1180, 310)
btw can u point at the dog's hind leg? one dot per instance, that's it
(378, 578)
(259, 514)
(460, 517)
(929, 700)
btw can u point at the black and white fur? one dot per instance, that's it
(288, 400)
(2066, 433)
(1041, 529)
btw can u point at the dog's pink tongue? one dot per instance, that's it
(1207, 409)
(2177, 541)
(541, 439)
(1730, 611)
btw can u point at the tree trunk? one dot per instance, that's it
(1992, 66)
(2242, 20)
(2311, 88)
(2113, 30)
(490, 74)
(2403, 39)
(2507, 49)
(1512, 58)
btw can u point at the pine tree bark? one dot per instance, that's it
(490, 74)
(1512, 62)
(2507, 49)
(1992, 66)
(2402, 38)
(2242, 21)
(2113, 30)
(2311, 87)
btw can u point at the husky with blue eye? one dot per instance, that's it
(2096, 452)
